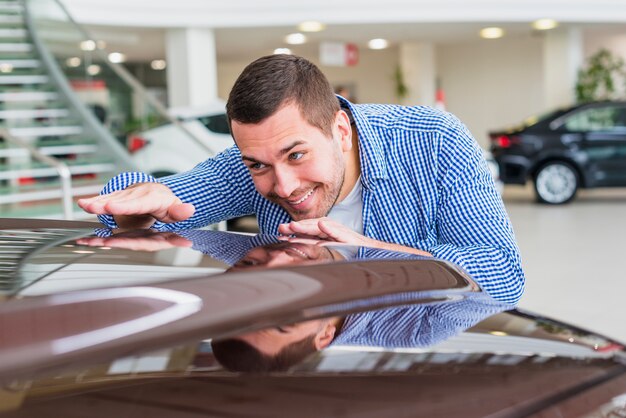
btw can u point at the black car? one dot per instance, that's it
(583, 146)
(145, 324)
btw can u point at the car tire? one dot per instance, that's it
(556, 183)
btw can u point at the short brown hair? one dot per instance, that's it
(239, 356)
(272, 81)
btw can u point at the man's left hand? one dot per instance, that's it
(325, 229)
(328, 230)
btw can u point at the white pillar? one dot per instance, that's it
(191, 66)
(562, 58)
(417, 62)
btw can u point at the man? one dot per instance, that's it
(311, 164)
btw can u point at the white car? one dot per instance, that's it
(168, 149)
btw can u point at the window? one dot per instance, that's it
(216, 123)
(597, 119)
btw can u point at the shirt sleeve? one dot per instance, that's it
(418, 326)
(220, 188)
(473, 228)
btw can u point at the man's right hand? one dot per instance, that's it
(139, 206)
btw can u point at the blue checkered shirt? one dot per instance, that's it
(425, 185)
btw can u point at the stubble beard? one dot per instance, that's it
(327, 201)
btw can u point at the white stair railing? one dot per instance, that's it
(61, 168)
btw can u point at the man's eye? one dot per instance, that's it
(257, 166)
(296, 155)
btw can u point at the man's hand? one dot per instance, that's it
(139, 205)
(329, 230)
(326, 229)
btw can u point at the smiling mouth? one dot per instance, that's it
(302, 199)
(298, 252)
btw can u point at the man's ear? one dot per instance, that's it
(344, 129)
(325, 336)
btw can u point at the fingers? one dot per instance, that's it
(142, 200)
(154, 242)
(306, 228)
(333, 230)
(181, 212)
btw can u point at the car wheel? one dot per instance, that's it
(556, 183)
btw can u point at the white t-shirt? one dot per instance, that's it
(349, 212)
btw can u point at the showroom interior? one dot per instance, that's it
(493, 64)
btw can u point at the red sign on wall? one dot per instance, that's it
(339, 54)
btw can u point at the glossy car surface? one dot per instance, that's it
(124, 325)
(168, 150)
(583, 146)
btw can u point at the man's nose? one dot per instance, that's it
(285, 182)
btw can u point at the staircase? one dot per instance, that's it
(38, 108)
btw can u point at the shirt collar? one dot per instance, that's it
(372, 156)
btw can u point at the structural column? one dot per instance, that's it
(562, 58)
(418, 66)
(191, 66)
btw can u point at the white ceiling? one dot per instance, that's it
(144, 44)
(247, 28)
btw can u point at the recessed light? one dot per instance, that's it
(282, 51)
(88, 45)
(295, 39)
(73, 62)
(545, 24)
(117, 57)
(158, 65)
(6, 67)
(491, 33)
(311, 26)
(378, 43)
(498, 333)
(94, 69)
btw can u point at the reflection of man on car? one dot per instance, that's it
(279, 348)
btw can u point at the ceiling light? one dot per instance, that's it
(491, 33)
(311, 26)
(5, 67)
(73, 62)
(545, 24)
(282, 51)
(378, 43)
(158, 65)
(498, 333)
(94, 69)
(117, 57)
(88, 45)
(295, 39)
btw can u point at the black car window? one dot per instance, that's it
(216, 123)
(597, 119)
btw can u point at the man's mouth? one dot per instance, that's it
(302, 199)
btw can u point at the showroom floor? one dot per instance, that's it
(574, 257)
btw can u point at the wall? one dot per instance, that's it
(488, 84)
(491, 84)
(616, 43)
(371, 79)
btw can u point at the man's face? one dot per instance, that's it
(293, 163)
(272, 340)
